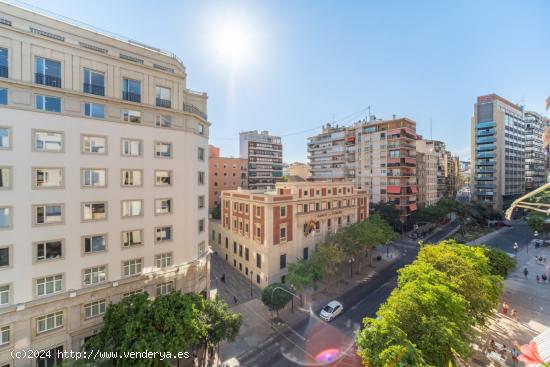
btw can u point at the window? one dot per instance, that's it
(131, 177)
(95, 309)
(131, 293)
(200, 154)
(49, 285)
(131, 90)
(5, 137)
(283, 234)
(4, 335)
(201, 178)
(163, 234)
(48, 214)
(132, 208)
(282, 261)
(163, 98)
(283, 211)
(47, 72)
(131, 267)
(163, 260)
(94, 82)
(201, 201)
(5, 177)
(200, 129)
(165, 288)
(48, 177)
(48, 250)
(94, 144)
(3, 94)
(246, 254)
(94, 275)
(94, 211)
(94, 243)
(163, 206)
(132, 238)
(305, 255)
(201, 225)
(163, 150)
(3, 63)
(131, 116)
(94, 110)
(49, 322)
(201, 248)
(164, 121)
(5, 259)
(4, 294)
(47, 103)
(48, 141)
(94, 177)
(163, 178)
(51, 357)
(132, 147)
(5, 217)
(258, 261)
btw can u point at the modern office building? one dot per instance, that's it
(104, 170)
(535, 157)
(298, 169)
(331, 154)
(264, 153)
(226, 173)
(260, 233)
(497, 151)
(426, 173)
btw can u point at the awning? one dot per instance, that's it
(393, 132)
(410, 160)
(413, 189)
(412, 207)
(394, 160)
(394, 190)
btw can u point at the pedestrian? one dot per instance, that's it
(525, 272)
(544, 277)
(492, 345)
(515, 355)
(223, 278)
(235, 300)
(504, 308)
(538, 279)
(514, 314)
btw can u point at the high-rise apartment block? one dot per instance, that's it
(264, 153)
(260, 233)
(497, 150)
(103, 190)
(535, 157)
(426, 173)
(226, 173)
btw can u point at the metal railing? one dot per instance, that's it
(194, 110)
(132, 97)
(49, 80)
(98, 90)
(164, 103)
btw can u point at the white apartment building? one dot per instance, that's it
(103, 180)
(331, 154)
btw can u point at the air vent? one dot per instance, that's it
(164, 68)
(47, 34)
(93, 48)
(5, 21)
(131, 58)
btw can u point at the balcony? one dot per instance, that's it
(132, 97)
(485, 140)
(489, 147)
(3, 71)
(486, 155)
(165, 103)
(48, 80)
(194, 110)
(98, 90)
(485, 125)
(486, 132)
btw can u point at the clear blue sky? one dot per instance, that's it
(311, 62)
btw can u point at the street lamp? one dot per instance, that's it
(351, 260)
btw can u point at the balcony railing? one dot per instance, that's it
(164, 103)
(194, 110)
(132, 97)
(49, 80)
(3, 71)
(98, 90)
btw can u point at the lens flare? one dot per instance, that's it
(327, 355)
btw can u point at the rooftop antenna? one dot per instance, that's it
(431, 136)
(369, 113)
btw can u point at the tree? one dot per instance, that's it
(388, 212)
(499, 261)
(328, 257)
(276, 296)
(535, 221)
(303, 274)
(217, 212)
(166, 324)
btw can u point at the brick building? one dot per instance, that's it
(226, 173)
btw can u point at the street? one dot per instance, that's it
(314, 341)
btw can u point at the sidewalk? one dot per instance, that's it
(257, 330)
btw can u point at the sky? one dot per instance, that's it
(290, 66)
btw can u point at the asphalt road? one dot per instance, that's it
(313, 339)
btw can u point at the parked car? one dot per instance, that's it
(331, 310)
(231, 362)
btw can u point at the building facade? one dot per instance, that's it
(426, 173)
(264, 153)
(535, 157)
(497, 151)
(226, 173)
(298, 169)
(104, 167)
(260, 233)
(331, 154)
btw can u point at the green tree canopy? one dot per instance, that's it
(499, 261)
(303, 274)
(328, 257)
(276, 296)
(219, 321)
(217, 212)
